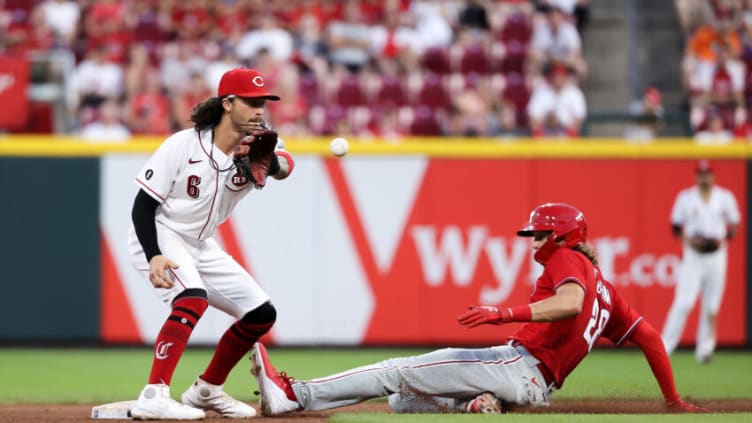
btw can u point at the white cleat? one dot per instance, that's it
(155, 403)
(276, 394)
(204, 395)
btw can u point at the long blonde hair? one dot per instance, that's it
(588, 251)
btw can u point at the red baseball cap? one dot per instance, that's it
(703, 166)
(244, 82)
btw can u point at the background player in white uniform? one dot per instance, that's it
(188, 187)
(704, 217)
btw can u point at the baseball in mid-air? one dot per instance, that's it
(339, 147)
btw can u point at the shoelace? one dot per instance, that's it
(288, 380)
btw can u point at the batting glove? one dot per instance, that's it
(684, 407)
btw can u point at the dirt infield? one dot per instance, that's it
(30, 413)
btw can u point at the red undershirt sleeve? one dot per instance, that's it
(649, 341)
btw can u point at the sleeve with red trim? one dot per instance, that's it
(162, 168)
(623, 320)
(565, 266)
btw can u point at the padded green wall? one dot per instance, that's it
(49, 249)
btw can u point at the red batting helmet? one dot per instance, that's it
(564, 223)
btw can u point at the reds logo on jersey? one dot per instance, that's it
(239, 180)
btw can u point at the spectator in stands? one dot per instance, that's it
(148, 111)
(556, 39)
(473, 17)
(396, 39)
(557, 106)
(715, 131)
(725, 69)
(470, 111)
(231, 21)
(431, 25)
(105, 27)
(191, 19)
(289, 117)
(349, 39)
(311, 50)
(577, 10)
(220, 58)
(692, 14)
(269, 36)
(503, 122)
(139, 64)
(178, 59)
(94, 80)
(23, 30)
(647, 117)
(107, 126)
(182, 103)
(62, 16)
(720, 85)
(702, 47)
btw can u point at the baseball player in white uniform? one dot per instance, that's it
(187, 188)
(704, 217)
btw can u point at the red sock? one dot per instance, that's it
(235, 343)
(174, 336)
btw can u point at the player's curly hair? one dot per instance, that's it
(207, 114)
(588, 251)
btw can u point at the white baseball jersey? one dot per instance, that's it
(197, 187)
(701, 218)
(182, 176)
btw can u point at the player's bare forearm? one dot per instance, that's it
(565, 304)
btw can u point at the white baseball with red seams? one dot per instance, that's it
(339, 147)
(197, 187)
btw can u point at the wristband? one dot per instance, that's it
(521, 313)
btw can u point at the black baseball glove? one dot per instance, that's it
(255, 158)
(705, 245)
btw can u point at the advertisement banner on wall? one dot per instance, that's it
(390, 249)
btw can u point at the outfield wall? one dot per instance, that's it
(385, 246)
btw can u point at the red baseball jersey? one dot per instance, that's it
(561, 345)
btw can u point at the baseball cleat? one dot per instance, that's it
(485, 403)
(276, 394)
(204, 395)
(155, 403)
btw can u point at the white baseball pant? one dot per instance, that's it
(698, 273)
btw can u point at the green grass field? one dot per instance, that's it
(90, 376)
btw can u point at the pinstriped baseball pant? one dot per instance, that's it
(454, 373)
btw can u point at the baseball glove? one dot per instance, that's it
(705, 245)
(255, 158)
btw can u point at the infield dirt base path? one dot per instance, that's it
(32, 413)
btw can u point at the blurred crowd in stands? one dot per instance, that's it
(717, 67)
(380, 68)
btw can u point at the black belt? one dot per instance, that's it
(548, 377)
